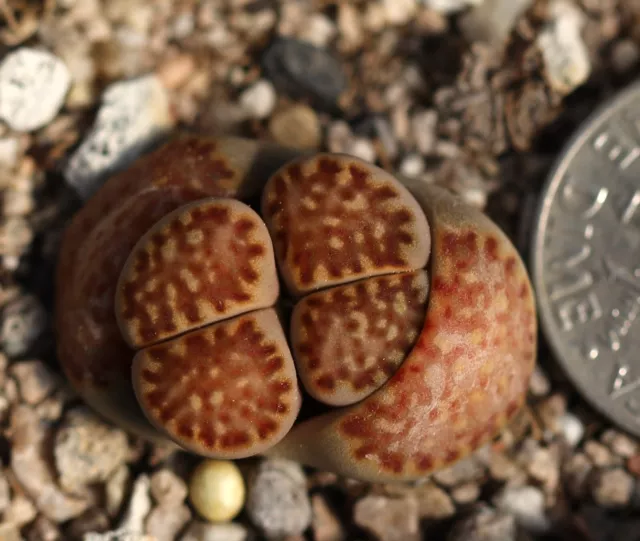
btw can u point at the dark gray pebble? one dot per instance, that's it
(303, 71)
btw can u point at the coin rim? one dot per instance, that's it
(547, 196)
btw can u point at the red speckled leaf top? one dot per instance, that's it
(349, 340)
(207, 261)
(227, 390)
(466, 376)
(335, 219)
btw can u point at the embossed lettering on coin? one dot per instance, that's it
(586, 258)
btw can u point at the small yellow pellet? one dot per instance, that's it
(217, 490)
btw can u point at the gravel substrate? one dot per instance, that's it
(475, 95)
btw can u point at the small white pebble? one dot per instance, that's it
(492, 20)
(399, 12)
(204, 531)
(115, 489)
(338, 136)
(385, 135)
(363, 149)
(475, 197)
(423, 126)
(396, 94)
(20, 511)
(374, 18)
(465, 494)
(10, 532)
(544, 468)
(183, 25)
(449, 6)
(599, 454)
(24, 321)
(564, 53)
(259, 99)
(340, 139)
(527, 504)
(350, 27)
(413, 77)
(167, 488)
(539, 384)
(572, 428)
(613, 488)
(17, 203)
(318, 30)
(33, 85)
(485, 524)
(9, 147)
(447, 149)
(176, 71)
(10, 262)
(121, 534)
(139, 506)
(412, 166)
(132, 114)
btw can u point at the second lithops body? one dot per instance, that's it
(409, 322)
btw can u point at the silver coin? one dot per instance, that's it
(585, 256)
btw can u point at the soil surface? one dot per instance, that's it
(477, 96)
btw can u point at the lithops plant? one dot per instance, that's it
(240, 299)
